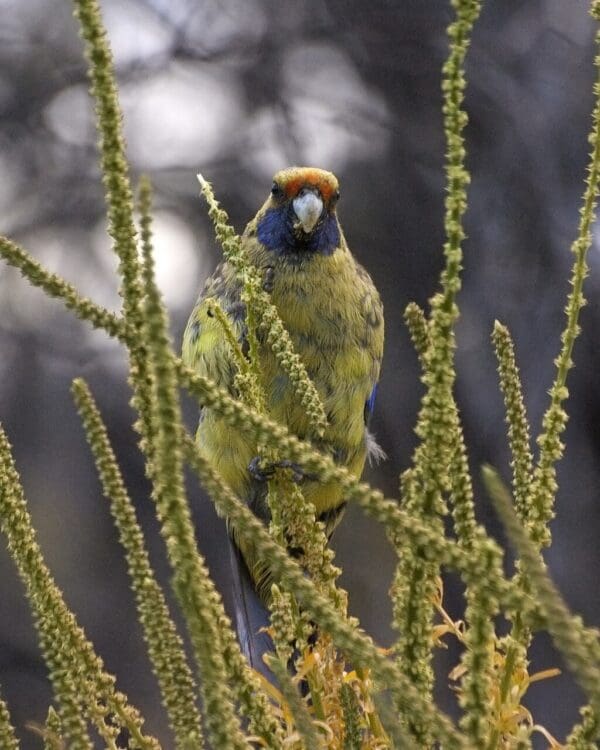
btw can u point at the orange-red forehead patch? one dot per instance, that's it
(293, 180)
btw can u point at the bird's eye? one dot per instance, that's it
(335, 197)
(276, 191)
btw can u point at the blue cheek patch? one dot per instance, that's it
(276, 232)
(329, 236)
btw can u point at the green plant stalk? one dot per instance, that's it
(373, 721)
(463, 505)
(580, 647)
(461, 487)
(165, 647)
(303, 721)
(242, 364)
(350, 709)
(439, 372)
(536, 507)
(510, 663)
(113, 162)
(417, 324)
(78, 677)
(481, 602)
(300, 529)
(455, 120)
(413, 588)
(248, 378)
(555, 418)
(433, 456)
(304, 531)
(210, 629)
(522, 467)
(480, 632)
(193, 588)
(8, 738)
(583, 736)
(399, 736)
(315, 694)
(516, 419)
(57, 288)
(254, 352)
(53, 731)
(481, 608)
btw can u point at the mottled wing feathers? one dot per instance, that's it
(204, 346)
(372, 313)
(373, 317)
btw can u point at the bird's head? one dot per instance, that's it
(299, 216)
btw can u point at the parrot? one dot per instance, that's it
(334, 316)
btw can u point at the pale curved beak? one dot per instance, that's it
(308, 207)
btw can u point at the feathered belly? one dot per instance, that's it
(342, 375)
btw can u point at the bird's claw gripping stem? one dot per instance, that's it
(263, 473)
(259, 472)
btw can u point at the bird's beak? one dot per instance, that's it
(308, 207)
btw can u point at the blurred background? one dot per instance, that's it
(238, 89)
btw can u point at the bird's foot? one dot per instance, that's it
(265, 472)
(298, 473)
(260, 472)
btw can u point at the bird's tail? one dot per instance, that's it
(251, 615)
